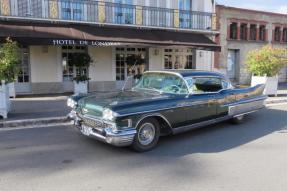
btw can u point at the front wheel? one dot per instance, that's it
(148, 132)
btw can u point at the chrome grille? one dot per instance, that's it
(93, 123)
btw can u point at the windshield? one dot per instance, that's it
(162, 82)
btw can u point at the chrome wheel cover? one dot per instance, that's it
(146, 134)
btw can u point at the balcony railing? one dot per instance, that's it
(107, 13)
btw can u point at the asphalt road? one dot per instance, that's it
(251, 156)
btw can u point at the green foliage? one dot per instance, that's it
(134, 60)
(266, 61)
(82, 61)
(9, 60)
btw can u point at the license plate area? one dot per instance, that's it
(86, 130)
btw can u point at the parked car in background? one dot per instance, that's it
(162, 103)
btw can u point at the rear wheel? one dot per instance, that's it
(148, 132)
(238, 119)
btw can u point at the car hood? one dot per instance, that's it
(95, 103)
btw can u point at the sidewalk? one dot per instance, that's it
(36, 111)
(281, 95)
(53, 109)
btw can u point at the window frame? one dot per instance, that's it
(253, 32)
(262, 33)
(173, 53)
(206, 93)
(277, 34)
(233, 31)
(243, 31)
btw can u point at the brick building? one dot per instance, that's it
(242, 30)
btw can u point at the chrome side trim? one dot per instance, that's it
(245, 107)
(162, 109)
(261, 98)
(192, 104)
(199, 125)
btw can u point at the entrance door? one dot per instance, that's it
(23, 84)
(130, 62)
(232, 64)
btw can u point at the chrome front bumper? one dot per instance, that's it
(119, 138)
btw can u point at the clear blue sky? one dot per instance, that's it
(279, 6)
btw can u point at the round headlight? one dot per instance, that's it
(109, 114)
(71, 103)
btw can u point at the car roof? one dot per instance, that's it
(193, 73)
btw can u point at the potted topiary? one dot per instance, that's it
(265, 65)
(82, 62)
(136, 65)
(9, 60)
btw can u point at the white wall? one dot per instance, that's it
(103, 64)
(155, 61)
(45, 66)
(204, 60)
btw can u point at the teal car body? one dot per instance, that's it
(175, 102)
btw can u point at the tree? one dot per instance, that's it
(82, 61)
(266, 61)
(9, 60)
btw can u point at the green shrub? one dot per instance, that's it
(9, 60)
(267, 61)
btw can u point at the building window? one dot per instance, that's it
(130, 61)
(277, 34)
(185, 15)
(178, 59)
(72, 10)
(262, 33)
(233, 31)
(70, 71)
(123, 11)
(24, 70)
(253, 32)
(285, 35)
(243, 31)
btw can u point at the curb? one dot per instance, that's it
(33, 122)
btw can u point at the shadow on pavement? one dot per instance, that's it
(52, 149)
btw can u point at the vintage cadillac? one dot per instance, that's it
(162, 103)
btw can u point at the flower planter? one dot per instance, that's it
(271, 84)
(12, 92)
(4, 100)
(80, 87)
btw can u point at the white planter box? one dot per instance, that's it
(4, 101)
(271, 84)
(81, 87)
(12, 92)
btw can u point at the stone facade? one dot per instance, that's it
(242, 44)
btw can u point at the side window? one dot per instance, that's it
(206, 85)
(226, 84)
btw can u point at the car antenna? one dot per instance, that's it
(133, 67)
